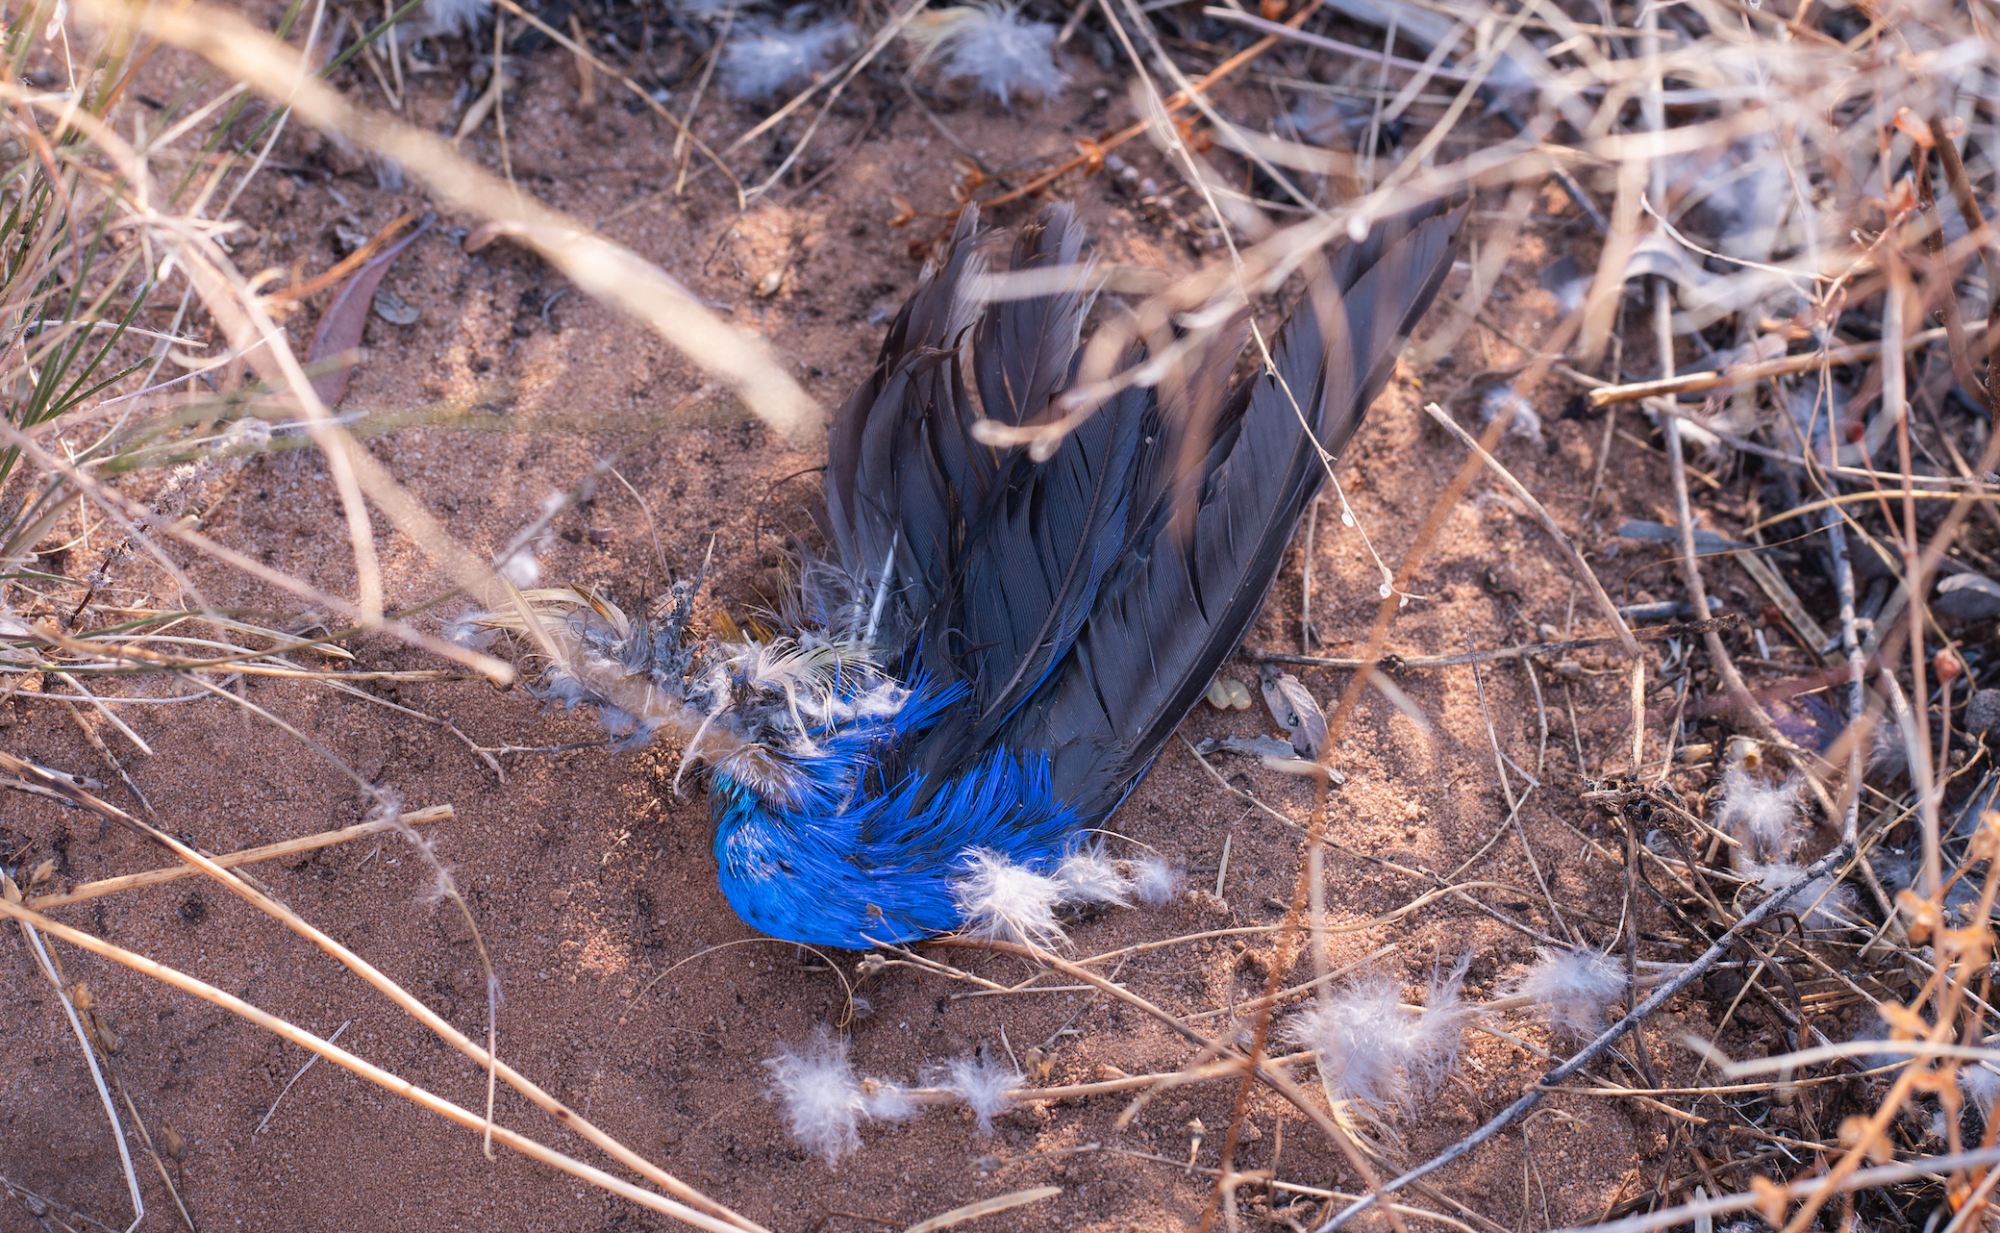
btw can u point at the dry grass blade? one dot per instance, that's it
(985, 1207)
(1579, 568)
(10, 895)
(373, 1074)
(248, 856)
(388, 988)
(608, 271)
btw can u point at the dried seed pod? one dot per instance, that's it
(1226, 693)
(1218, 694)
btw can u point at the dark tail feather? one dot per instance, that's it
(1038, 537)
(888, 505)
(907, 486)
(1176, 605)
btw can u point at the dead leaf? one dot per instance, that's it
(341, 324)
(1296, 711)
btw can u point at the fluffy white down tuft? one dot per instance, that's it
(1766, 819)
(1572, 988)
(1823, 904)
(1439, 1035)
(1154, 881)
(882, 1101)
(1087, 875)
(984, 1086)
(999, 899)
(1000, 51)
(759, 64)
(1361, 1037)
(449, 17)
(823, 1101)
(1980, 1085)
(465, 630)
(1373, 1050)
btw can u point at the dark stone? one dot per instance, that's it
(1982, 714)
(1968, 596)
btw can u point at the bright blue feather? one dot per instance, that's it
(882, 869)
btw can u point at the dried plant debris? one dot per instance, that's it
(1296, 711)
(1724, 314)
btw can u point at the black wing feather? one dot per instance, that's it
(1176, 606)
(1086, 601)
(889, 500)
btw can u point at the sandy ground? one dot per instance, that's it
(631, 991)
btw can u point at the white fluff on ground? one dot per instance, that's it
(759, 63)
(1572, 988)
(824, 1103)
(451, 17)
(1765, 818)
(1156, 882)
(1374, 1050)
(1012, 903)
(983, 1086)
(994, 47)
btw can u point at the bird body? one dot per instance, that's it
(994, 648)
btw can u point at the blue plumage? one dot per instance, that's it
(995, 646)
(884, 869)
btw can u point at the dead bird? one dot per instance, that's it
(992, 650)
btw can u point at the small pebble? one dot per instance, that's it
(1982, 714)
(1968, 596)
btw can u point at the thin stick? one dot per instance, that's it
(1094, 154)
(1968, 208)
(1659, 997)
(1908, 492)
(883, 37)
(1751, 374)
(1578, 568)
(1896, 409)
(1514, 810)
(1389, 661)
(247, 856)
(373, 1074)
(584, 57)
(9, 895)
(283, 1092)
